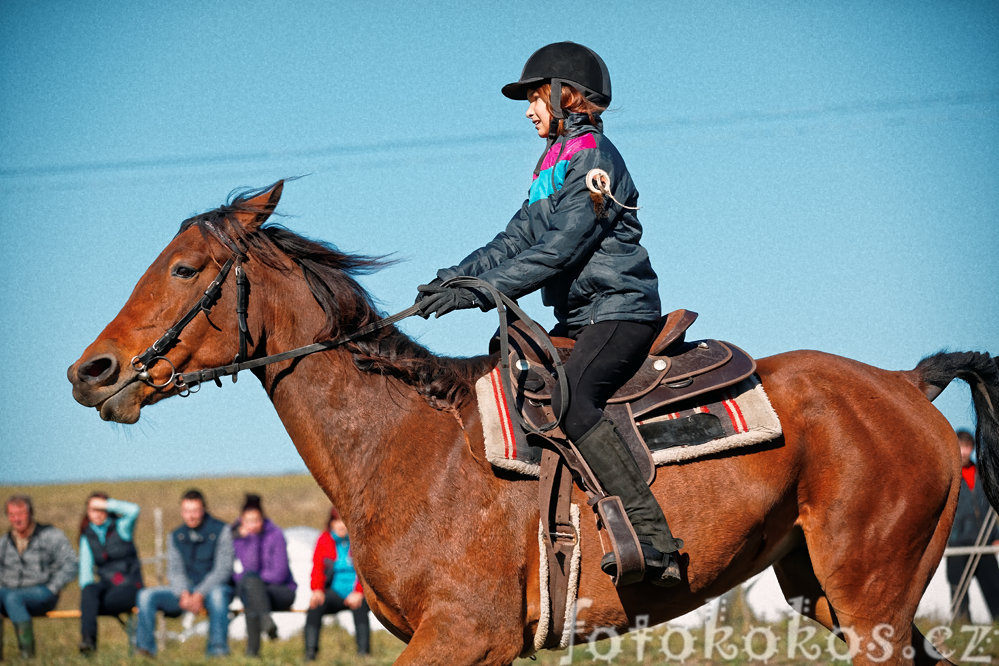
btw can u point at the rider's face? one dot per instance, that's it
(537, 113)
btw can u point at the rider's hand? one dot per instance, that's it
(441, 300)
(425, 290)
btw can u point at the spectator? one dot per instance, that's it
(199, 568)
(263, 578)
(36, 562)
(335, 587)
(106, 544)
(972, 510)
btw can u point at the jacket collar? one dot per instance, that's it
(573, 125)
(579, 123)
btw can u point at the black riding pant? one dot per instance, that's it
(605, 356)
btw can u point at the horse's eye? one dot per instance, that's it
(184, 272)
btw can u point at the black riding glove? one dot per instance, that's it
(427, 290)
(434, 298)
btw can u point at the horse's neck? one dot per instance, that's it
(359, 433)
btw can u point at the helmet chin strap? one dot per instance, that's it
(555, 102)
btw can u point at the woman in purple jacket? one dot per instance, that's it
(263, 578)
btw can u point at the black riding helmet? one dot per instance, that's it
(564, 62)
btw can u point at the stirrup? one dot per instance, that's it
(661, 569)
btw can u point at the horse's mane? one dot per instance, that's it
(331, 276)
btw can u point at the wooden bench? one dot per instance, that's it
(127, 620)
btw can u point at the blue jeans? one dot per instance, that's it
(152, 599)
(20, 603)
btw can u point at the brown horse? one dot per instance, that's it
(852, 506)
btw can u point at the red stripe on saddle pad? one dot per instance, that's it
(735, 415)
(738, 411)
(506, 425)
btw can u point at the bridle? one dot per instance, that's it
(189, 382)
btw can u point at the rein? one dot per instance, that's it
(189, 382)
(504, 304)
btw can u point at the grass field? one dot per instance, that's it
(297, 500)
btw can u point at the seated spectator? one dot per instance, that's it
(199, 568)
(36, 562)
(335, 587)
(106, 545)
(263, 578)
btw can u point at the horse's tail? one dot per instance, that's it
(934, 373)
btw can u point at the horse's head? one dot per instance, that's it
(175, 319)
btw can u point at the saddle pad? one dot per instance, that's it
(736, 417)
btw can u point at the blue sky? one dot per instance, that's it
(815, 175)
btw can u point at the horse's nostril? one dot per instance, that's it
(97, 370)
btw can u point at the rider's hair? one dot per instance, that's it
(572, 101)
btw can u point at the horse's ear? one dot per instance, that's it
(254, 212)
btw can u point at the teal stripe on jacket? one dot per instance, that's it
(552, 175)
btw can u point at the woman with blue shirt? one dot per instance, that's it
(106, 548)
(335, 587)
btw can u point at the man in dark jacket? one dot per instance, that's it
(199, 568)
(973, 509)
(36, 562)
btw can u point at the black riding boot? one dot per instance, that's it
(25, 639)
(610, 460)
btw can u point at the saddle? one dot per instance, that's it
(674, 372)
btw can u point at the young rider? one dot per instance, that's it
(585, 255)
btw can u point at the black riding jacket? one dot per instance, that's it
(590, 267)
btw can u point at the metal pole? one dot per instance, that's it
(158, 526)
(160, 569)
(962, 588)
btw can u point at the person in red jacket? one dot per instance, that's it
(335, 587)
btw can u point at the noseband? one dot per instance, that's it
(188, 382)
